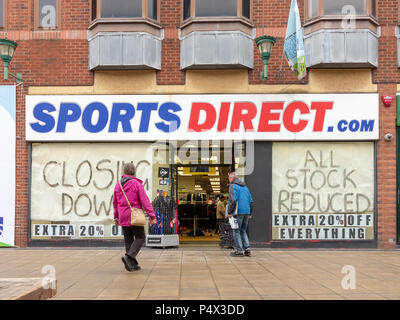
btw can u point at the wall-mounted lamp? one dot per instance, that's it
(7, 49)
(265, 44)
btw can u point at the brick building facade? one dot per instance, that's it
(55, 61)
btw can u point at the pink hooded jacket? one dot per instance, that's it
(137, 197)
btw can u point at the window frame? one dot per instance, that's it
(37, 16)
(239, 15)
(145, 14)
(327, 21)
(368, 13)
(5, 7)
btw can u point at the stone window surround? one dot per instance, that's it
(124, 25)
(216, 24)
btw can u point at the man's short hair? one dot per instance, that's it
(232, 174)
(129, 169)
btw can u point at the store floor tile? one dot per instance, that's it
(202, 273)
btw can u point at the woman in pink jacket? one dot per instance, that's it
(134, 236)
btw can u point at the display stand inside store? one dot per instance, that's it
(165, 232)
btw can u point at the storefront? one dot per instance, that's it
(308, 159)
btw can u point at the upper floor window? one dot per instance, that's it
(315, 8)
(125, 9)
(216, 8)
(2, 13)
(47, 14)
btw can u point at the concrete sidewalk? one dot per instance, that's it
(207, 273)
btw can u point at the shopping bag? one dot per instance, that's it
(234, 223)
(234, 212)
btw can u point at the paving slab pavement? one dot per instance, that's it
(26, 289)
(207, 273)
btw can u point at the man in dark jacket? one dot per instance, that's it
(240, 196)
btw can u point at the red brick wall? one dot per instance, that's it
(170, 17)
(386, 171)
(270, 18)
(387, 76)
(21, 172)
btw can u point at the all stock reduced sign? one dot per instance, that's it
(275, 117)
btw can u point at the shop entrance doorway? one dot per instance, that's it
(198, 189)
(198, 177)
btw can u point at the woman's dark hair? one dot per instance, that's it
(129, 169)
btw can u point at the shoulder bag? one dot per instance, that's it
(137, 215)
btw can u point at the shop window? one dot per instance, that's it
(216, 8)
(125, 9)
(78, 180)
(48, 14)
(306, 189)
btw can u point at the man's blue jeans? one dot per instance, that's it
(240, 234)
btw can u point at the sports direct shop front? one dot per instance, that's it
(309, 160)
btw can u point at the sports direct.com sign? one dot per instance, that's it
(203, 117)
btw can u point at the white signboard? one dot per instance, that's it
(7, 165)
(203, 117)
(73, 184)
(323, 191)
